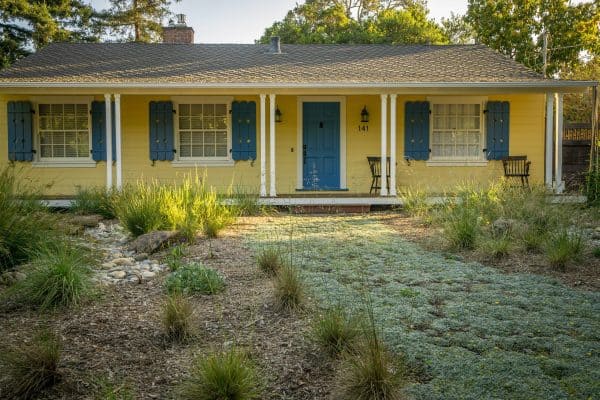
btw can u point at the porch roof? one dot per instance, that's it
(253, 66)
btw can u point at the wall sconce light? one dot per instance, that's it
(364, 115)
(278, 115)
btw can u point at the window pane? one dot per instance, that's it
(197, 135)
(220, 110)
(221, 122)
(184, 110)
(46, 151)
(184, 122)
(196, 110)
(209, 150)
(208, 110)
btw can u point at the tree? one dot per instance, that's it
(517, 27)
(137, 20)
(578, 106)
(457, 29)
(27, 25)
(357, 21)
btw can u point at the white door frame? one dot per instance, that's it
(300, 135)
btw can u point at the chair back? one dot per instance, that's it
(516, 166)
(375, 165)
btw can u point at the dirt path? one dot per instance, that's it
(118, 337)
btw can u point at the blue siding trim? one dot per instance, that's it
(416, 130)
(243, 130)
(497, 129)
(162, 143)
(20, 131)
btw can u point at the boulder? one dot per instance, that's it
(503, 226)
(153, 241)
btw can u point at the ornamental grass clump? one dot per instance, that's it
(564, 248)
(226, 375)
(336, 330)
(370, 372)
(139, 208)
(290, 292)
(60, 276)
(193, 279)
(31, 368)
(95, 200)
(461, 227)
(177, 318)
(24, 223)
(269, 261)
(415, 203)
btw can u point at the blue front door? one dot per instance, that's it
(321, 145)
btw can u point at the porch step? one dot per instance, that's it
(332, 209)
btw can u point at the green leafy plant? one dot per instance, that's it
(269, 260)
(195, 278)
(175, 257)
(32, 367)
(592, 187)
(335, 330)
(177, 318)
(60, 277)
(107, 390)
(289, 288)
(596, 252)
(227, 375)
(95, 200)
(564, 247)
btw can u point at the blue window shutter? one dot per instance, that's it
(243, 130)
(20, 131)
(99, 131)
(497, 129)
(416, 130)
(161, 131)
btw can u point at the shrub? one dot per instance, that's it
(563, 248)
(592, 186)
(289, 289)
(60, 277)
(195, 278)
(139, 208)
(269, 260)
(335, 330)
(227, 375)
(32, 367)
(24, 224)
(177, 318)
(95, 200)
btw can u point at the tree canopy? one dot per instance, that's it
(517, 27)
(28, 25)
(137, 20)
(357, 21)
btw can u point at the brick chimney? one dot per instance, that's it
(178, 32)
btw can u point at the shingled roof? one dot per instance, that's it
(228, 64)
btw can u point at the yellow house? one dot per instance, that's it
(284, 121)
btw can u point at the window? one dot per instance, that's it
(203, 131)
(63, 131)
(457, 132)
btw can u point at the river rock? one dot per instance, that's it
(118, 274)
(124, 261)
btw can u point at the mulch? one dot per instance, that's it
(117, 336)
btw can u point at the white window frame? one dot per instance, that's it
(60, 162)
(456, 161)
(202, 161)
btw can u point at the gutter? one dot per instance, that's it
(548, 85)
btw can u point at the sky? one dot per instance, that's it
(243, 21)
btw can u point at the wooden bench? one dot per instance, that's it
(517, 167)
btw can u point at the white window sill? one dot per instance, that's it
(456, 163)
(202, 163)
(64, 164)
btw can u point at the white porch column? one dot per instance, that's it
(393, 145)
(272, 191)
(559, 184)
(549, 139)
(383, 191)
(118, 140)
(107, 103)
(263, 145)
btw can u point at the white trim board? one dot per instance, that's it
(299, 136)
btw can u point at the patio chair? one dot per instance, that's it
(375, 165)
(517, 167)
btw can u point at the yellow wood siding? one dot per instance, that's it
(526, 137)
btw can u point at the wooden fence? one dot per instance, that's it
(577, 139)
